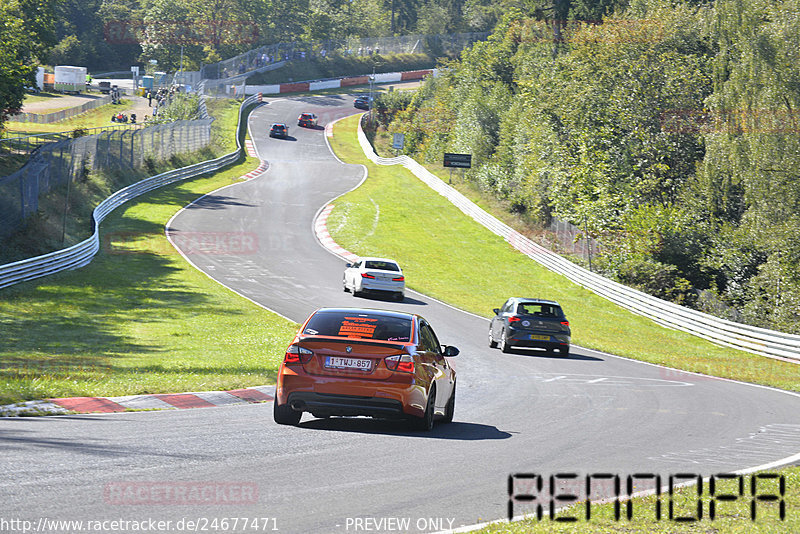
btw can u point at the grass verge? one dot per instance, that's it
(139, 319)
(448, 256)
(730, 517)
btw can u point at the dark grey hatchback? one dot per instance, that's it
(527, 322)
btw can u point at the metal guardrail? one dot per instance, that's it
(740, 336)
(82, 253)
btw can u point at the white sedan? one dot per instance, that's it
(378, 275)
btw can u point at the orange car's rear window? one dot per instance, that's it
(359, 326)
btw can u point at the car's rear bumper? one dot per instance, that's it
(329, 395)
(520, 339)
(382, 285)
(322, 404)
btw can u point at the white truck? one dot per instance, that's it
(69, 79)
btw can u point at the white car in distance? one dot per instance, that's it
(375, 275)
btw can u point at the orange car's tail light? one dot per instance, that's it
(365, 275)
(403, 363)
(565, 323)
(513, 319)
(297, 354)
(399, 279)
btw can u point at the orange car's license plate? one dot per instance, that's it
(540, 338)
(337, 362)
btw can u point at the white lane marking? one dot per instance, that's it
(596, 380)
(554, 378)
(608, 380)
(761, 444)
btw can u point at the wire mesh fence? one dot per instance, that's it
(30, 143)
(58, 163)
(566, 238)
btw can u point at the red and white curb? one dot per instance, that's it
(202, 399)
(321, 229)
(251, 150)
(329, 129)
(257, 172)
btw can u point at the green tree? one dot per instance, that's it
(26, 32)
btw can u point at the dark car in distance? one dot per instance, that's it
(279, 130)
(362, 102)
(308, 120)
(530, 322)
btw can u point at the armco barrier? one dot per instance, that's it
(336, 83)
(728, 333)
(82, 253)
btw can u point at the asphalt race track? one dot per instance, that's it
(515, 413)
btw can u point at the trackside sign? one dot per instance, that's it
(463, 161)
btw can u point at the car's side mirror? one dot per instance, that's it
(496, 310)
(450, 351)
(348, 265)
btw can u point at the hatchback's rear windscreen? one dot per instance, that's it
(359, 326)
(540, 310)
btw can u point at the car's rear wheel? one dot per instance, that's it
(399, 297)
(284, 415)
(492, 342)
(425, 423)
(563, 351)
(450, 409)
(504, 346)
(344, 286)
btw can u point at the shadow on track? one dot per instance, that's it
(217, 202)
(390, 298)
(543, 354)
(329, 100)
(456, 430)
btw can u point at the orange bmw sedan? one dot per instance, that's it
(353, 361)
